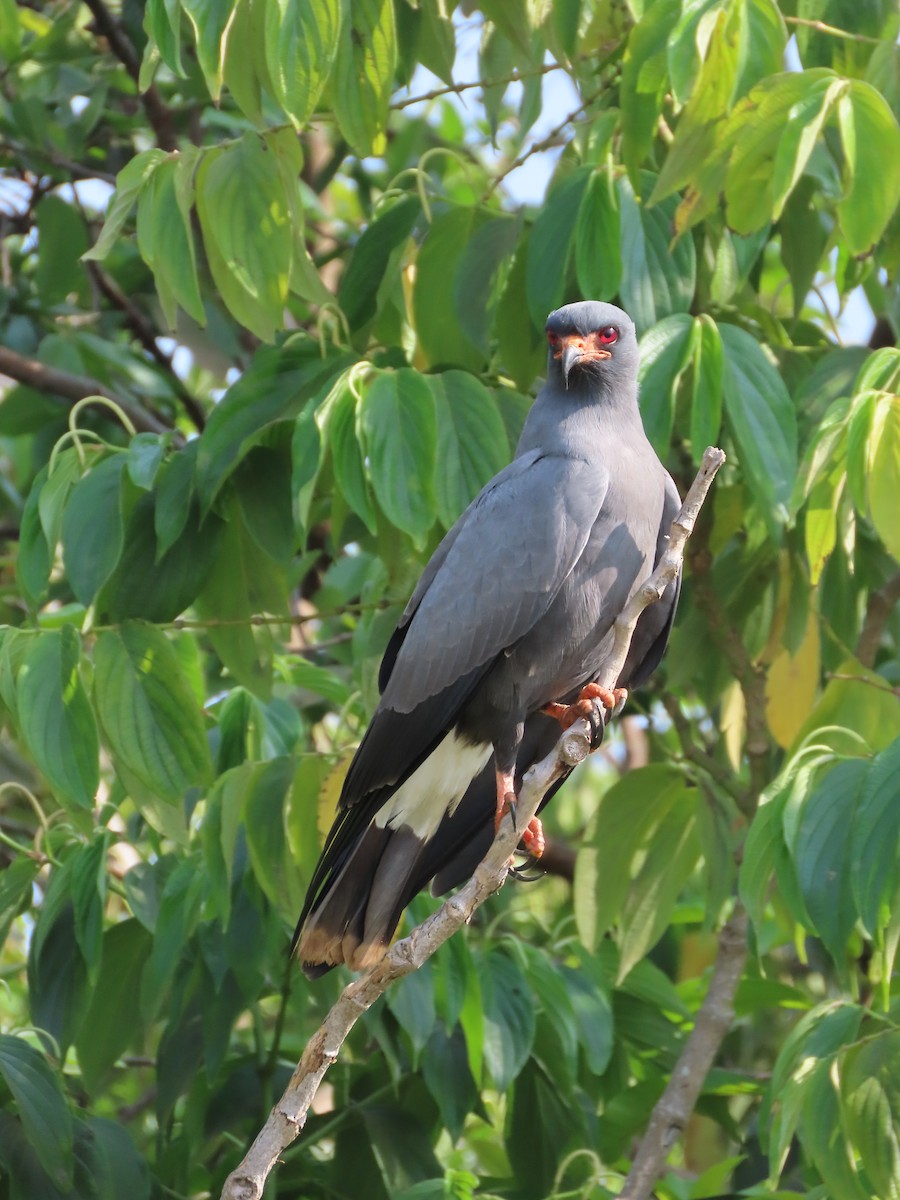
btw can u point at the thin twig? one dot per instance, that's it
(674, 1107)
(72, 387)
(544, 144)
(515, 76)
(833, 31)
(289, 1115)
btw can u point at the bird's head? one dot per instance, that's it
(591, 343)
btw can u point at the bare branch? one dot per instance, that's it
(674, 1107)
(289, 1115)
(72, 387)
(143, 329)
(158, 114)
(880, 606)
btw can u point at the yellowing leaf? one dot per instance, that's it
(791, 686)
(884, 478)
(731, 722)
(330, 793)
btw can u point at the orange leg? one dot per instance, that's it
(506, 797)
(533, 838)
(568, 714)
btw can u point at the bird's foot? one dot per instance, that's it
(506, 798)
(586, 706)
(533, 838)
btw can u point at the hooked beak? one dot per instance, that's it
(576, 349)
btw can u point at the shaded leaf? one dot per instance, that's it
(56, 718)
(148, 712)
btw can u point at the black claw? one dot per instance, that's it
(513, 808)
(530, 863)
(597, 723)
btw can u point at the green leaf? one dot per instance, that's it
(762, 420)
(669, 863)
(508, 1017)
(658, 277)
(857, 700)
(62, 239)
(165, 236)
(475, 290)
(768, 141)
(412, 1003)
(112, 1023)
(870, 1095)
(875, 840)
(43, 1111)
(665, 352)
(540, 1128)
(56, 718)
(155, 586)
(243, 582)
(441, 336)
(149, 716)
(89, 900)
(706, 385)
(129, 182)
(626, 821)
(92, 527)
(369, 267)
(884, 456)
(245, 216)
(645, 78)
(210, 21)
(267, 789)
(34, 559)
(598, 259)
(821, 854)
(818, 1035)
(472, 440)
(301, 45)
(699, 126)
(445, 1069)
(823, 1135)
(340, 409)
(262, 485)
(276, 388)
(870, 137)
(550, 246)
(397, 417)
(363, 75)
(16, 882)
(145, 454)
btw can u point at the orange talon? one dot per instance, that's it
(568, 714)
(533, 838)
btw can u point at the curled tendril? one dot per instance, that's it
(77, 435)
(338, 320)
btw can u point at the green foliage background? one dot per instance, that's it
(202, 566)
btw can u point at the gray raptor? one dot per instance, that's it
(501, 641)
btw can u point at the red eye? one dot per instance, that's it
(608, 334)
(553, 338)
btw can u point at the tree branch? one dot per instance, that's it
(72, 387)
(143, 329)
(158, 114)
(289, 1115)
(880, 606)
(674, 1107)
(833, 31)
